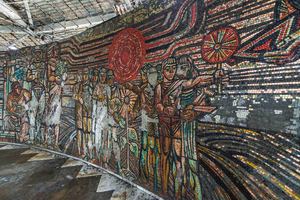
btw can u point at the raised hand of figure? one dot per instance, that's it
(188, 114)
(80, 100)
(58, 79)
(208, 92)
(220, 78)
(64, 76)
(219, 74)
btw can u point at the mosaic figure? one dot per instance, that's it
(83, 110)
(100, 97)
(149, 155)
(35, 76)
(169, 95)
(191, 105)
(77, 95)
(166, 95)
(56, 79)
(17, 107)
(113, 126)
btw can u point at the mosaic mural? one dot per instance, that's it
(194, 99)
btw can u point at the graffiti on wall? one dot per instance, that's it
(196, 101)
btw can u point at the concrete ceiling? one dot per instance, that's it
(36, 22)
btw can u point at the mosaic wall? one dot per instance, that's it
(194, 99)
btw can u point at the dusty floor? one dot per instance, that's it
(36, 175)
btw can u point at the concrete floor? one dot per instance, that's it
(36, 175)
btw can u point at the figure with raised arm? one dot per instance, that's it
(171, 99)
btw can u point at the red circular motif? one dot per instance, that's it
(220, 45)
(127, 54)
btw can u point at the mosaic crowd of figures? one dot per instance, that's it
(33, 100)
(150, 122)
(166, 103)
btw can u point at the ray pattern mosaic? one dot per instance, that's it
(193, 99)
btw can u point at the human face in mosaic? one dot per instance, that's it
(95, 76)
(102, 75)
(182, 70)
(169, 71)
(85, 76)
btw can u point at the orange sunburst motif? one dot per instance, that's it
(220, 45)
(128, 99)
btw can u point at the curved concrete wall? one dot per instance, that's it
(190, 99)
